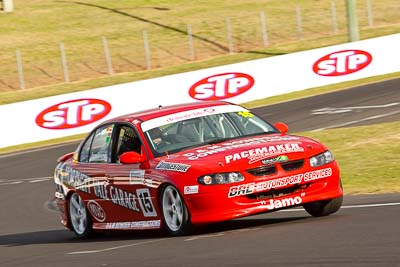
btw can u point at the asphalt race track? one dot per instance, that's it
(365, 232)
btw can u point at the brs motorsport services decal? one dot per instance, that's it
(250, 188)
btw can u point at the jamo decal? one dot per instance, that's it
(221, 86)
(73, 114)
(342, 63)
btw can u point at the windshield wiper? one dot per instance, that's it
(220, 140)
(263, 133)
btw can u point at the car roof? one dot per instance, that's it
(149, 114)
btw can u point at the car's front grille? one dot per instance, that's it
(277, 192)
(292, 165)
(271, 169)
(263, 170)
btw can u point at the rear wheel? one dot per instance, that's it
(81, 222)
(324, 207)
(175, 214)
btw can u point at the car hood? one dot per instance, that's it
(252, 151)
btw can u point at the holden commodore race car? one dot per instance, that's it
(186, 165)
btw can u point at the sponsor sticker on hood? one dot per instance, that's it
(262, 152)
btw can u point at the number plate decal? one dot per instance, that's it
(145, 202)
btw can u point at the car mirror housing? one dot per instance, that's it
(282, 127)
(131, 157)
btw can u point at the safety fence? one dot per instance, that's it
(163, 44)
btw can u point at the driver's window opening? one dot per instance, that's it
(128, 141)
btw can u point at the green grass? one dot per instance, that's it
(368, 156)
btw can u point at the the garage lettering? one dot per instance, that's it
(116, 195)
(258, 154)
(123, 198)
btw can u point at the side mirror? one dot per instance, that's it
(131, 157)
(282, 127)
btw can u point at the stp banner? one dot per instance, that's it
(76, 113)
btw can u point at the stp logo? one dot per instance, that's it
(72, 114)
(221, 86)
(342, 63)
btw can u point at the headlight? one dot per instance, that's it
(221, 178)
(321, 159)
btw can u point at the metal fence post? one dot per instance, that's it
(369, 14)
(264, 28)
(190, 40)
(229, 35)
(20, 70)
(334, 18)
(8, 5)
(146, 50)
(352, 20)
(299, 23)
(107, 55)
(64, 63)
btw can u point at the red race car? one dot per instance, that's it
(185, 165)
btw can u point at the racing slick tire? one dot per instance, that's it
(324, 207)
(175, 213)
(81, 222)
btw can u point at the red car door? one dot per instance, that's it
(131, 190)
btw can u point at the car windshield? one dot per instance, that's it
(197, 129)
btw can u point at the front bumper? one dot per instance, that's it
(217, 206)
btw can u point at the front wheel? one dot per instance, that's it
(81, 222)
(175, 213)
(324, 207)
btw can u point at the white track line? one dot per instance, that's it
(113, 248)
(219, 234)
(29, 180)
(355, 206)
(357, 121)
(329, 111)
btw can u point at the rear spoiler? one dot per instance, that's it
(65, 157)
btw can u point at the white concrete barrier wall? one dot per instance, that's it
(76, 113)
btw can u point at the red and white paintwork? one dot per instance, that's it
(127, 196)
